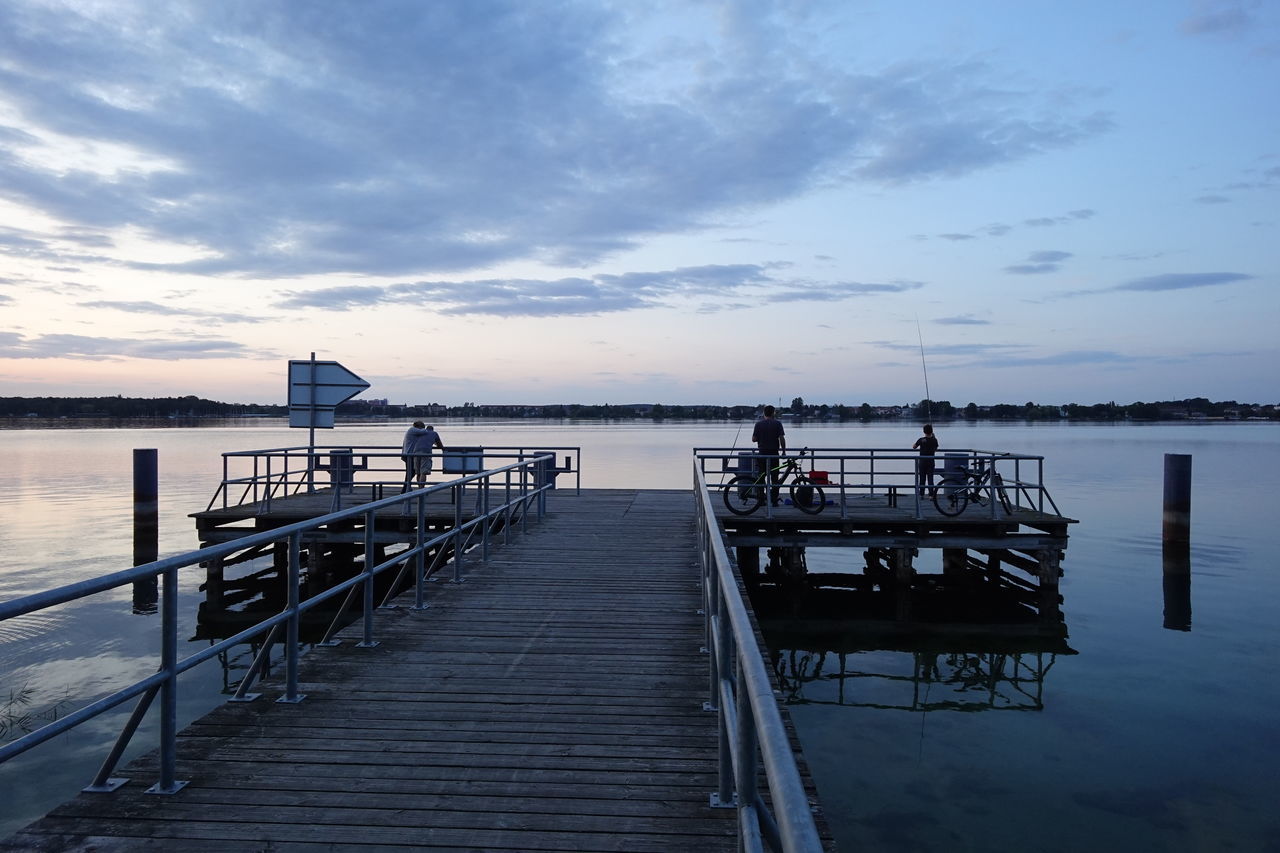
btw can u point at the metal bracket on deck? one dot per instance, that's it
(369, 645)
(178, 785)
(285, 700)
(106, 787)
(330, 643)
(717, 803)
(707, 706)
(248, 697)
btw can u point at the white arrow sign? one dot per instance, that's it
(315, 390)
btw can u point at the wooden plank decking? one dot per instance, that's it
(552, 702)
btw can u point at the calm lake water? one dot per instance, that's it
(1146, 739)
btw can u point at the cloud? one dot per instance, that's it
(600, 294)
(1069, 358)
(839, 291)
(1218, 19)
(961, 350)
(144, 307)
(999, 229)
(1182, 281)
(87, 348)
(1065, 219)
(961, 320)
(987, 355)
(404, 137)
(1212, 199)
(1163, 283)
(1044, 261)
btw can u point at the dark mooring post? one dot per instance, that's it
(146, 526)
(1177, 497)
(1177, 541)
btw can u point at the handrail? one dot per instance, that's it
(892, 471)
(277, 471)
(521, 485)
(750, 723)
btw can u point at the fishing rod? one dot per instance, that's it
(928, 401)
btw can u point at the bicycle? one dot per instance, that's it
(976, 488)
(745, 493)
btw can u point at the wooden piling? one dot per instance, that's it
(1177, 497)
(146, 526)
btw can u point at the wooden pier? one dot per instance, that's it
(551, 697)
(553, 701)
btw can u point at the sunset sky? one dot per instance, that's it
(622, 202)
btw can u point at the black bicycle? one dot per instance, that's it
(745, 493)
(975, 488)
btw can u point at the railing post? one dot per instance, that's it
(506, 502)
(169, 690)
(457, 539)
(745, 763)
(484, 519)
(291, 694)
(420, 560)
(368, 641)
(724, 651)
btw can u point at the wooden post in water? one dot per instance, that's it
(146, 526)
(1177, 497)
(1177, 541)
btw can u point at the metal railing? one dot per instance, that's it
(751, 731)
(507, 495)
(261, 476)
(890, 473)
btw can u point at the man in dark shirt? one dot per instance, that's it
(771, 441)
(927, 444)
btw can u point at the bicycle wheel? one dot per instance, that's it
(807, 497)
(742, 496)
(951, 502)
(1002, 493)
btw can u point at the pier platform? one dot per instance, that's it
(552, 701)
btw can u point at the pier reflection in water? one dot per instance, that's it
(917, 680)
(968, 639)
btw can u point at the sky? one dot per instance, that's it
(498, 201)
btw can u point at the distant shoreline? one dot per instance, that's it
(98, 422)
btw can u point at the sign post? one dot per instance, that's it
(316, 388)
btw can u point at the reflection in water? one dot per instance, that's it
(146, 596)
(937, 681)
(1177, 585)
(974, 637)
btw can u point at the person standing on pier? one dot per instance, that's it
(771, 442)
(416, 452)
(927, 444)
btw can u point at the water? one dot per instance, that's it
(1147, 739)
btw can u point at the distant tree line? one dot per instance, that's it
(130, 407)
(935, 410)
